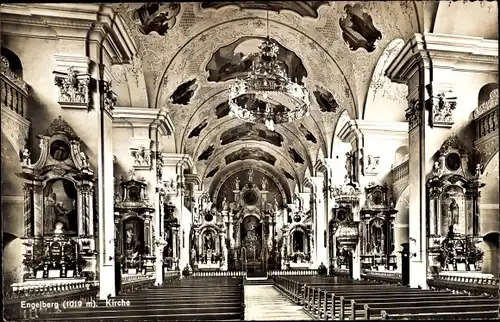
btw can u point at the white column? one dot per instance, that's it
(223, 267)
(160, 245)
(80, 198)
(106, 207)
(320, 227)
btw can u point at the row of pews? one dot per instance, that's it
(216, 298)
(340, 298)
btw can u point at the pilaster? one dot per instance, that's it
(319, 219)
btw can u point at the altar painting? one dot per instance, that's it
(133, 237)
(60, 209)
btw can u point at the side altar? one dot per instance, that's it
(59, 208)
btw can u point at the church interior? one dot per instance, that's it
(250, 160)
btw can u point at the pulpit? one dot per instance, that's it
(344, 229)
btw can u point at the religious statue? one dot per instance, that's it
(453, 212)
(237, 183)
(207, 205)
(479, 169)
(436, 170)
(276, 204)
(224, 204)
(85, 162)
(58, 229)
(377, 239)
(25, 157)
(193, 255)
(250, 175)
(208, 241)
(49, 213)
(348, 164)
(297, 204)
(129, 239)
(264, 183)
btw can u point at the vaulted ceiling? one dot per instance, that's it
(190, 54)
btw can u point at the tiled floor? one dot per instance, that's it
(264, 302)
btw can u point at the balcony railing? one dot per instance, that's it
(487, 123)
(486, 116)
(14, 91)
(401, 171)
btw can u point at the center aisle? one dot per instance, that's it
(264, 302)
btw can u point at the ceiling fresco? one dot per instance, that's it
(197, 130)
(358, 29)
(190, 53)
(302, 8)
(206, 154)
(250, 131)
(222, 109)
(250, 153)
(308, 135)
(212, 172)
(183, 94)
(287, 174)
(235, 60)
(326, 101)
(296, 157)
(156, 17)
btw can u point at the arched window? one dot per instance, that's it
(484, 92)
(14, 62)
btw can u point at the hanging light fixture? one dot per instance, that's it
(268, 82)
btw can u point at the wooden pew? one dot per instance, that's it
(189, 299)
(360, 300)
(487, 315)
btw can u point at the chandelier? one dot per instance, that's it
(267, 81)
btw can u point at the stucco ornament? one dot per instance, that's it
(372, 164)
(109, 97)
(413, 114)
(73, 88)
(441, 105)
(142, 157)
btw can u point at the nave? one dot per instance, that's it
(292, 298)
